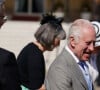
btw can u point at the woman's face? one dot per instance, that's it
(56, 42)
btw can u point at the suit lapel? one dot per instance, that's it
(78, 73)
(75, 69)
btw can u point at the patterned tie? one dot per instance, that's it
(86, 74)
(82, 64)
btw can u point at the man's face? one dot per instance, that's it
(2, 14)
(85, 46)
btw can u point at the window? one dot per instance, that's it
(29, 6)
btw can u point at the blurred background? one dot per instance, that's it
(69, 9)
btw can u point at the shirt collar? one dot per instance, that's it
(73, 55)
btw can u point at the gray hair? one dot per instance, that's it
(76, 28)
(47, 33)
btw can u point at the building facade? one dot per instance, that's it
(32, 9)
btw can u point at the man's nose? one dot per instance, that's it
(91, 47)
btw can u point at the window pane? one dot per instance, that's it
(37, 6)
(22, 6)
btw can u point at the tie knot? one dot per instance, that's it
(83, 64)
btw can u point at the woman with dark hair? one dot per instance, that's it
(31, 61)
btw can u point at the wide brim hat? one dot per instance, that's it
(96, 25)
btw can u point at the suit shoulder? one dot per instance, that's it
(6, 57)
(4, 51)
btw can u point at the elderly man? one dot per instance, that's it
(9, 77)
(69, 71)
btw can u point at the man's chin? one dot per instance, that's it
(85, 59)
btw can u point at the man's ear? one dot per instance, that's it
(72, 41)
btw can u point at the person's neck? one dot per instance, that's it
(39, 46)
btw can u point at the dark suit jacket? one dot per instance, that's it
(9, 77)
